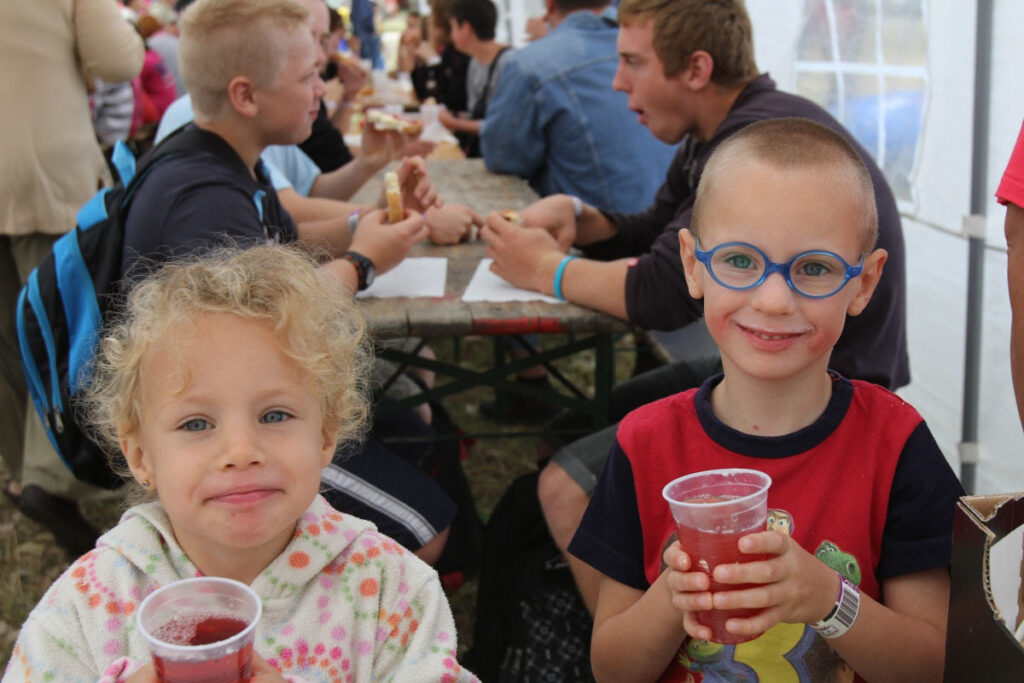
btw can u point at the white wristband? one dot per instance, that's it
(577, 205)
(843, 614)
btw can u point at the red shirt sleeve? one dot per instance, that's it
(1011, 187)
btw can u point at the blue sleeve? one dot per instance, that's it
(918, 531)
(512, 135)
(278, 180)
(298, 169)
(610, 537)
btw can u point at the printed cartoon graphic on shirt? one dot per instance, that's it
(785, 653)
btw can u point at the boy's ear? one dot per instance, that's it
(697, 74)
(687, 252)
(134, 455)
(867, 281)
(242, 95)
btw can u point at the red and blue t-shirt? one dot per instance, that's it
(865, 488)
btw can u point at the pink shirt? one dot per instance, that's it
(1011, 187)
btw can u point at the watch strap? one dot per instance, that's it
(364, 267)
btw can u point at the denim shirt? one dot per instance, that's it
(555, 120)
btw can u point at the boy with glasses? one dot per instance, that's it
(859, 576)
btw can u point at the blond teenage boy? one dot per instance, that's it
(867, 493)
(251, 68)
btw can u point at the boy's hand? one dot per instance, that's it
(418, 193)
(794, 587)
(380, 147)
(557, 215)
(689, 589)
(526, 257)
(452, 223)
(386, 244)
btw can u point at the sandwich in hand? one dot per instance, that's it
(393, 195)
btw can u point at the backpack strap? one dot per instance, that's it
(480, 109)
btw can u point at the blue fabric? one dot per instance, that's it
(362, 25)
(81, 308)
(39, 310)
(124, 161)
(94, 210)
(555, 120)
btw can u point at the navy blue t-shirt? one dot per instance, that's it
(200, 200)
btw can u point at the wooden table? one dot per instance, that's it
(468, 182)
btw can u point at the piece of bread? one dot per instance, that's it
(382, 120)
(393, 195)
(512, 216)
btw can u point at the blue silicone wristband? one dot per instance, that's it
(559, 274)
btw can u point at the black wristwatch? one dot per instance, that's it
(365, 269)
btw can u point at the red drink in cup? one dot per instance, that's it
(713, 510)
(201, 630)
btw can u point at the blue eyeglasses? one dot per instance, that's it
(813, 274)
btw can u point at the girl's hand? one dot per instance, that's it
(793, 585)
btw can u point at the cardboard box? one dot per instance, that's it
(986, 602)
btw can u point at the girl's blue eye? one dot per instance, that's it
(196, 424)
(275, 416)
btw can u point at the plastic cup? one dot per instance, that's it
(712, 510)
(201, 630)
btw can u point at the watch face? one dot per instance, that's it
(371, 274)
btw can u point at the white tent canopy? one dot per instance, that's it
(901, 75)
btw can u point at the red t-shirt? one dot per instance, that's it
(1011, 187)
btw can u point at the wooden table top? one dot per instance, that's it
(467, 181)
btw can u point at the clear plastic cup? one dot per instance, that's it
(712, 510)
(201, 630)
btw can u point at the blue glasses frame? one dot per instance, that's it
(782, 269)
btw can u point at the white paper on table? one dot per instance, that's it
(487, 286)
(420, 276)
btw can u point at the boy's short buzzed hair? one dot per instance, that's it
(788, 143)
(224, 39)
(482, 15)
(681, 27)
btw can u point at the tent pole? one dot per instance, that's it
(976, 229)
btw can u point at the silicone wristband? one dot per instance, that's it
(843, 614)
(559, 274)
(577, 205)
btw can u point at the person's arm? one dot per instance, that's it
(530, 258)
(459, 124)
(385, 244)
(1014, 228)
(636, 633)
(108, 46)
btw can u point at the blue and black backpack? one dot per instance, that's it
(62, 308)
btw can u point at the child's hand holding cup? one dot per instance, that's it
(201, 630)
(712, 510)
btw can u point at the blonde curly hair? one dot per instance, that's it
(315, 320)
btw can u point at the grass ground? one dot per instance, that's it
(30, 561)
